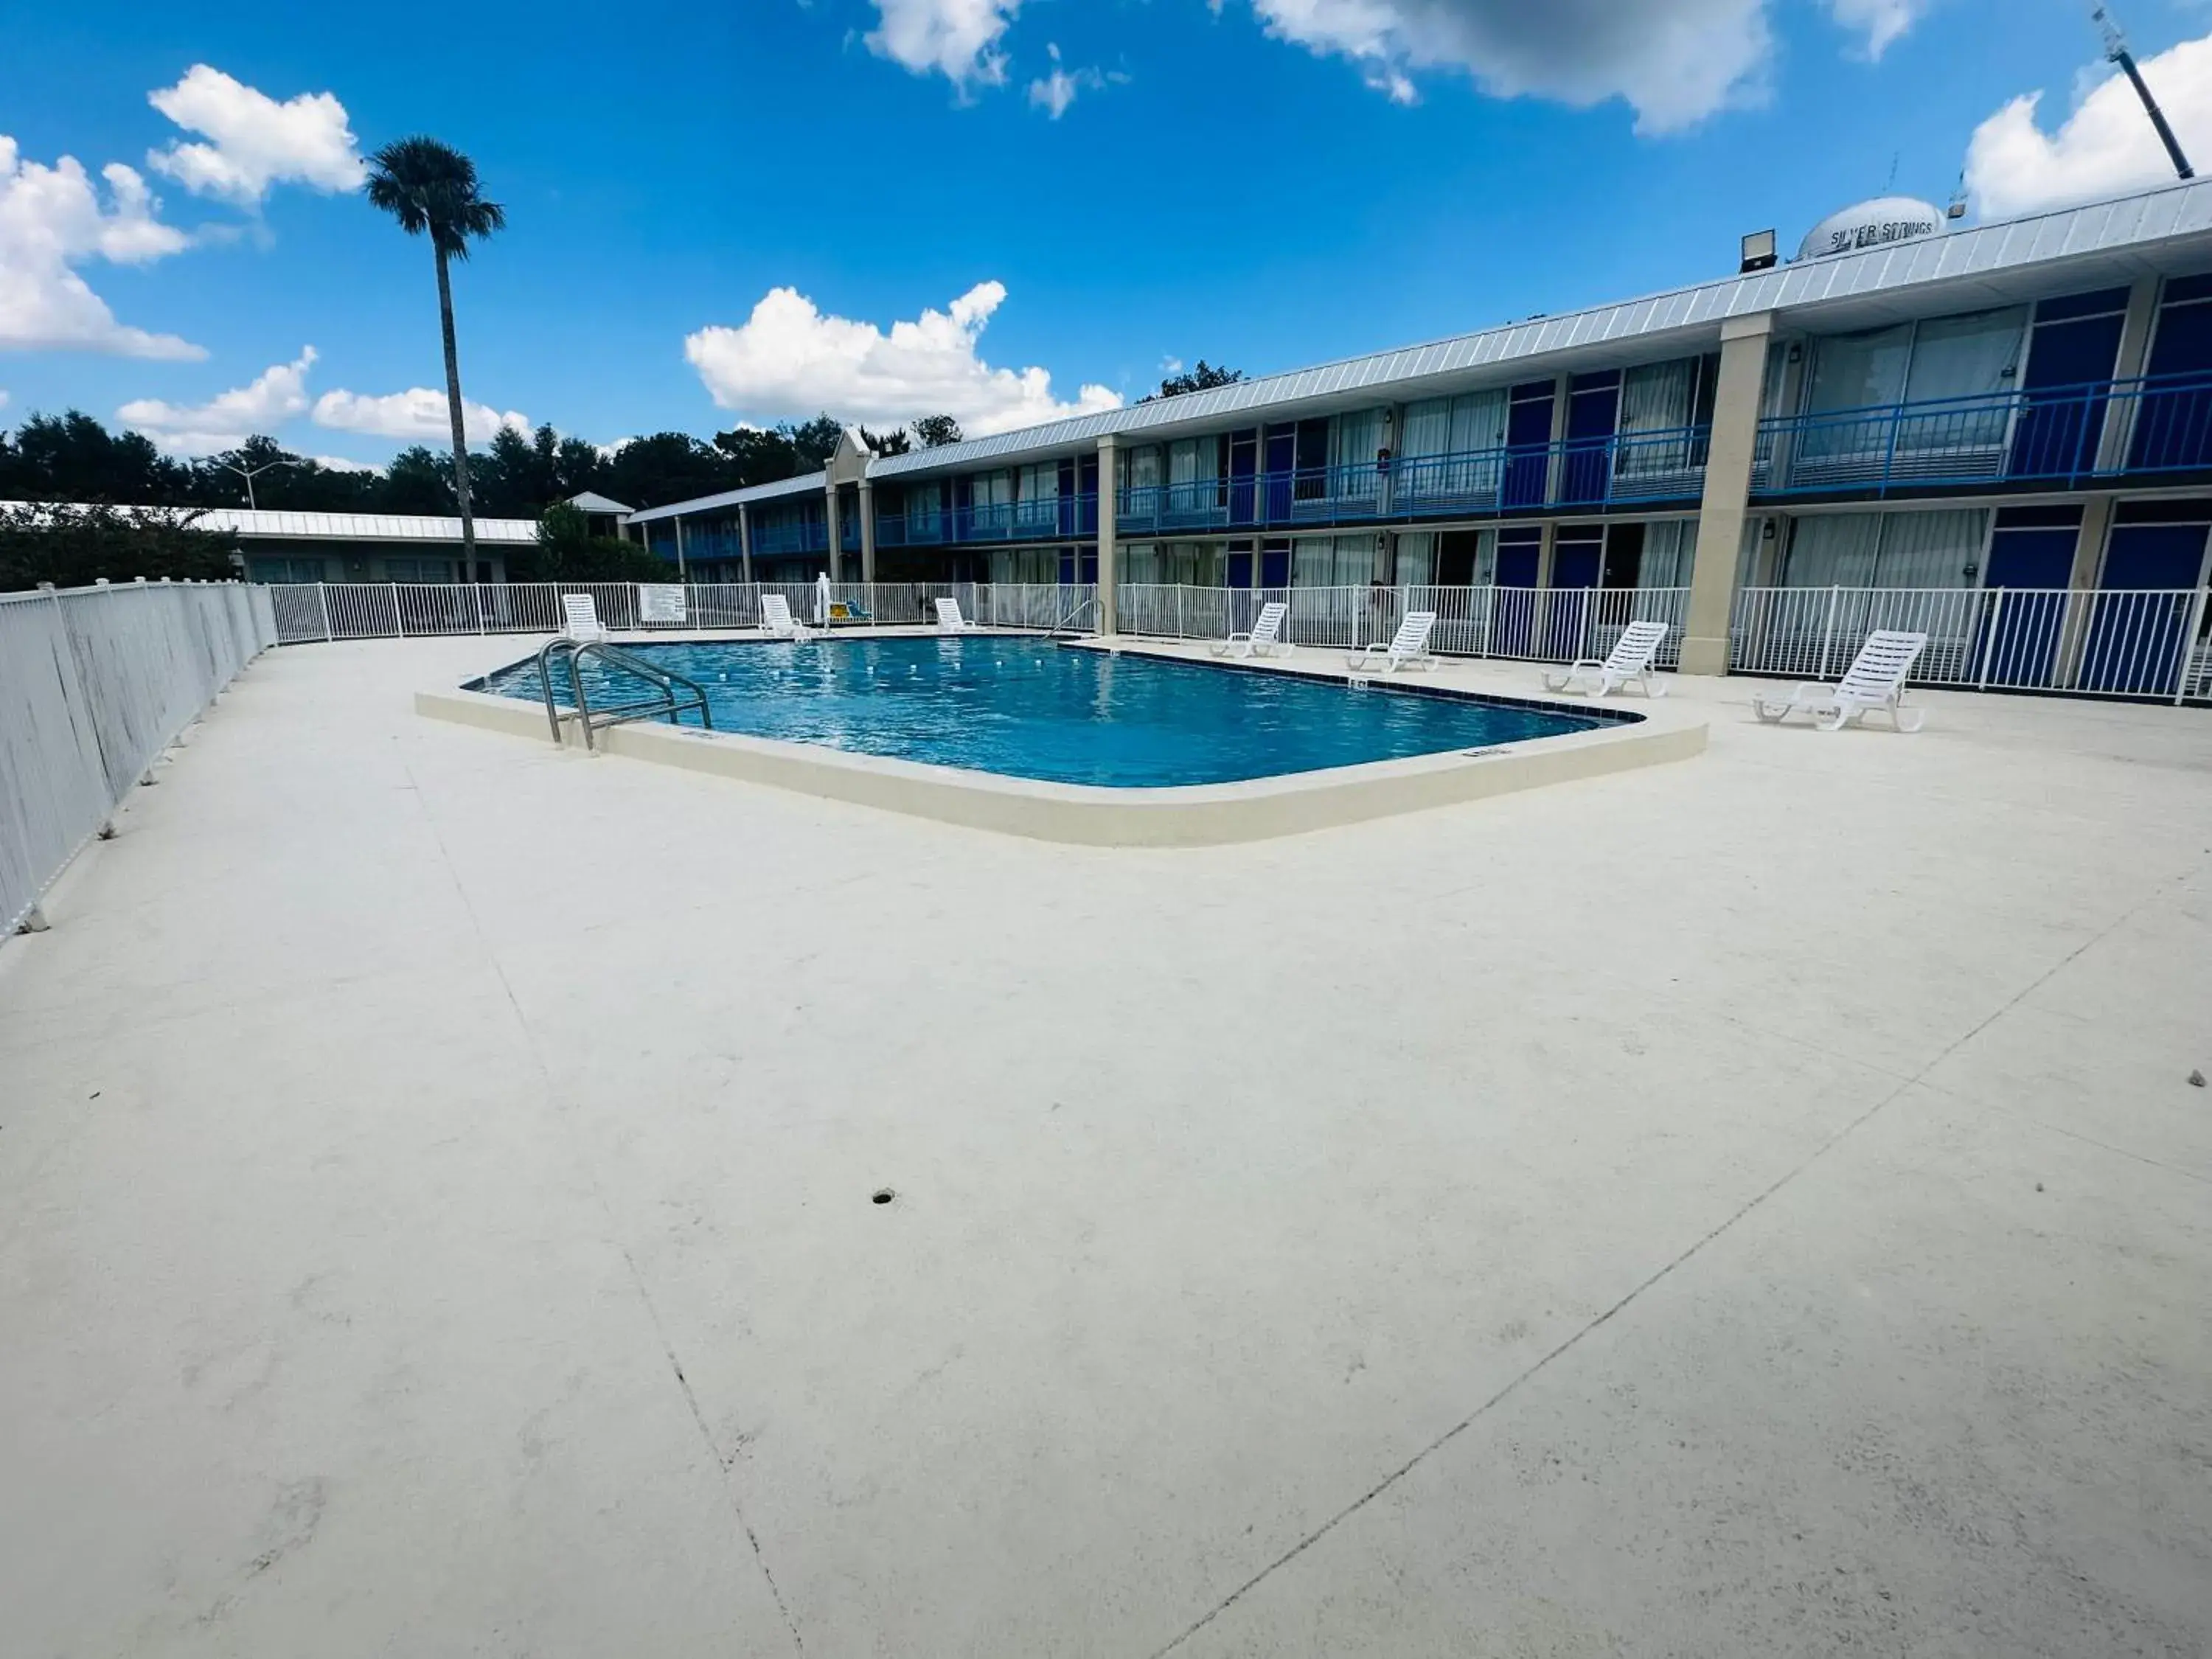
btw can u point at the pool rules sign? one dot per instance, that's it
(659, 602)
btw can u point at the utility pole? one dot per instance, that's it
(2115, 50)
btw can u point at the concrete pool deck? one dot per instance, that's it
(1753, 1206)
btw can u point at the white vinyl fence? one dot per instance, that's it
(1526, 624)
(366, 610)
(95, 682)
(2102, 643)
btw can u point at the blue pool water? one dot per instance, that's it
(1027, 707)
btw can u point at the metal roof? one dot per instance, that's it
(326, 526)
(1990, 265)
(814, 481)
(591, 501)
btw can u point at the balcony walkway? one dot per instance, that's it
(1752, 1207)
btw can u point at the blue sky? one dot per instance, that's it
(1272, 184)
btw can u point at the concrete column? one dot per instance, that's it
(2088, 560)
(867, 534)
(1727, 492)
(1108, 609)
(2130, 361)
(680, 547)
(746, 540)
(830, 517)
(1555, 462)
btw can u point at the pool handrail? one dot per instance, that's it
(668, 704)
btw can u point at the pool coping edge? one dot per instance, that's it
(1199, 814)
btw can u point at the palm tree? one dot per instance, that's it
(429, 186)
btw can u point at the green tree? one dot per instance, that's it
(73, 458)
(1203, 378)
(417, 481)
(567, 551)
(894, 442)
(74, 545)
(935, 431)
(431, 188)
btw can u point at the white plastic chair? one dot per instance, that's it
(1632, 658)
(949, 619)
(1265, 638)
(580, 616)
(1408, 647)
(1874, 680)
(778, 622)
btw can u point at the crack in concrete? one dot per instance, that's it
(598, 1192)
(1756, 1201)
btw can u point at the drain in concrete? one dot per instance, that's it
(882, 1195)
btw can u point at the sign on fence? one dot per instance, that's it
(659, 602)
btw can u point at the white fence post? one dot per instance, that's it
(2188, 647)
(323, 592)
(476, 589)
(398, 617)
(1989, 640)
(1828, 632)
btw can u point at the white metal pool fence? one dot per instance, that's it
(2102, 642)
(95, 682)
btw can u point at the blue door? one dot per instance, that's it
(2174, 419)
(1528, 443)
(1513, 620)
(2024, 603)
(1275, 564)
(2134, 643)
(2070, 355)
(1593, 410)
(1240, 564)
(1578, 551)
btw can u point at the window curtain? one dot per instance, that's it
(1472, 422)
(993, 488)
(1485, 558)
(1193, 460)
(1658, 397)
(1833, 549)
(1426, 428)
(1141, 467)
(1930, 550)
(1965, 356)
(1353, 439)
(1860, 371)
(1039, 496)
(1141, 563)
(1417, 558)
(1669, 545)
(1333, 560)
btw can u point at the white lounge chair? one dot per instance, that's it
(1632, 652)
(949, 619)
(1265, 638)
(1408, 647)
(580, 617)
(778, 622)
(1874, 680)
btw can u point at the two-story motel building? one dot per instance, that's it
(2023, 404)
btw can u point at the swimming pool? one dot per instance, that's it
(1028, 708)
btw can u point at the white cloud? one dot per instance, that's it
(1884, 20)
(956, 38)
(344, 464)
(418, 414)
(2104, 147)
(4, 396)
(256, 141)
(1057, 90)
(53, 219)
(1674, 61)
(226, 421)
(789, 359)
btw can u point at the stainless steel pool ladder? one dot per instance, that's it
(1081, 606)
(673, 695)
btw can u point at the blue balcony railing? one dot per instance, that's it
(1634, 468)
(2055, 435)
(1050, 518)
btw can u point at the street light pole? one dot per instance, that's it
(250, 473)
